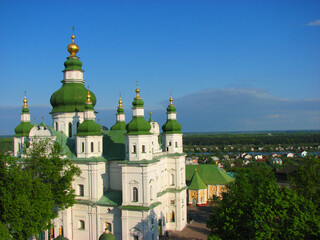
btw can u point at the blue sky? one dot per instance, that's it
(231, 65)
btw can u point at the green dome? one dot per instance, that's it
(71, 97)
(171, 108)
(60, 238)
(107, 236)
(171, 126)
(137, 102)
(89, 128)
(23, 129)
(73, 63)
(138, 126)
(119, 126)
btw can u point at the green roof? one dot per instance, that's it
(119, 126)
(171, 109)
(71, 97)
(89, 128)
(23, 129)
(196, 182)
(107, 236)
(72, 63)
(171, 126)
(111, 198)
(141, 208)
(25, 110)
(60, 238)
(114, 144)
(210, 174)
(138, 126)
(137, 102)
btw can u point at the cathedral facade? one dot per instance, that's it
(133, 176)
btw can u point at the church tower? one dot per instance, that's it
(69, 101)
(138, 133)
(22, 130)
(89, 136)
(121, 121)
(172, 136)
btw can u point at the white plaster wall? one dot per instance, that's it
(87, 140)
(172, 143)
(138, 141)
(63, 120)
(25, 117)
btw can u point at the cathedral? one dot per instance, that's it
(133, 180)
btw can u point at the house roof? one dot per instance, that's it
(196, 182)
(210, 174)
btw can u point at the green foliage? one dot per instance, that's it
(31, 190)
(58, 173)
(6, 144)
(255, 207)
(26, 202)
(305, 179)
(256, 139)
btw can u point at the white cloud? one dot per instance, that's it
(315, 23)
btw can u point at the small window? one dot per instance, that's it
(135, 194)
(82, 147)
(92, 147)
(172, 202)
(19, 146)
(172, 179)
(176, 144)
(82, 225)
(70, 129)
(81, 190)
(99, 148)
(57, 126)
(151, 192)
(134, 148)
(169, 143)
(143, 148)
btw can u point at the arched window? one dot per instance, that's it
(172, 179)
(135, 194)
(70, 129)
(57, 126)
(172, 216)
(92, 149)
(82, 147)
(151, 193)
(99, 148)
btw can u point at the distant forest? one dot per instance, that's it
(257, 139)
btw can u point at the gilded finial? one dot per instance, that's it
(171, 99)
(25, 100)
(150, 113)
(137, 91)
(88, 97)
(195, 169)
(72, 47)
(120, 103)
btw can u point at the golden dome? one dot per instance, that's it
(72, 47)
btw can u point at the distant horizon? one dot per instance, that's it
(206, 133)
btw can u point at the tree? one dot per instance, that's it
(26, 202)
(255, 207)
(305, 179)
(33, 189)
(44, 160)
